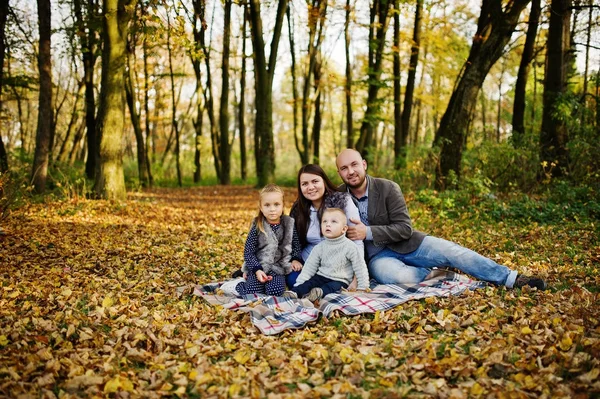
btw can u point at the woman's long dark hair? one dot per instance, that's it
(301, 208)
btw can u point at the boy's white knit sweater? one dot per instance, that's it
(338, 259)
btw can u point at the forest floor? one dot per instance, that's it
(88, 308)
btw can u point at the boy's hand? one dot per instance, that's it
(296, 266)
(262, 276)
(353, 284)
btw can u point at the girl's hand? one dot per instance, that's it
(262, 276)
(296, 266)
(245, 276)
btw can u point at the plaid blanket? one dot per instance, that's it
(272, 315)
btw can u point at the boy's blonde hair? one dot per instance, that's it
(339, 210)
(269, 188)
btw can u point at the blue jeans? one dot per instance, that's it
(326, 284)
(390, 267)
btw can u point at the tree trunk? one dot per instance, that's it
(349, 117)
(587, 63)
(554, 134)
(242, 105)
(3, 18)
(518, 120)
(378, 29)
(494, 30)
(399, 141)
(110, 179)
(412, 73)
(196, 63)
(225, 147)
(76, 140)
(45, 112)
(135, 119)
(263, 72)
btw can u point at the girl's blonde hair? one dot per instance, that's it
(269, 188)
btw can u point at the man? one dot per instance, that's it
(395, 252)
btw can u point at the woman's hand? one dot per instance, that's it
(296, 266)
(262, 276)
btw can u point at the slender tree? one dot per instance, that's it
(110, 179)
(318, 119)
(43, 137)
(348, 86)
(86, 27)
(295, 97)
(3, 18)
(135, 117)
(377, 31)
(174, 122)
(399, 148)
(554, 133)
(494, 29)
(242, 104)
(224, 144)
(518, 120)
(263, 72)
(71, 128)
(149, 137)
(412, 73)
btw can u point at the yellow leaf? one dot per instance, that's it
(477, 390)
(193, 375)
(565, 343)
(346, 354)
(234, 390)
(3, 340)
(526, 330)
(113, 385)
(242, 356)
(108, 302)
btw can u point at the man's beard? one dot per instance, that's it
(360, 183)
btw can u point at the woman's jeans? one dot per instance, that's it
(390, 267)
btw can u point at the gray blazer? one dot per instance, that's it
(388, 217)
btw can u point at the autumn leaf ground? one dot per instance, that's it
(88, 307)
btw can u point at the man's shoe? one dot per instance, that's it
(237, 274)
(290, 295)
(315, 294)
(533, 282)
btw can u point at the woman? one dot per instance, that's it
(315, 193)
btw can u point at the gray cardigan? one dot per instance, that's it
(388, 217)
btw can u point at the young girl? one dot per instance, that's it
(271, 246)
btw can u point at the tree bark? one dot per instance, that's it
(196, 63)
(349, 117)
(110, 179)
(518, 120)
(587, 63)
(45, 113)
(149, 138)
(3, 18)
(377, 32)
(225, 146)
(554, 133)
(412, 73)
(494, 29)
(263, 72)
